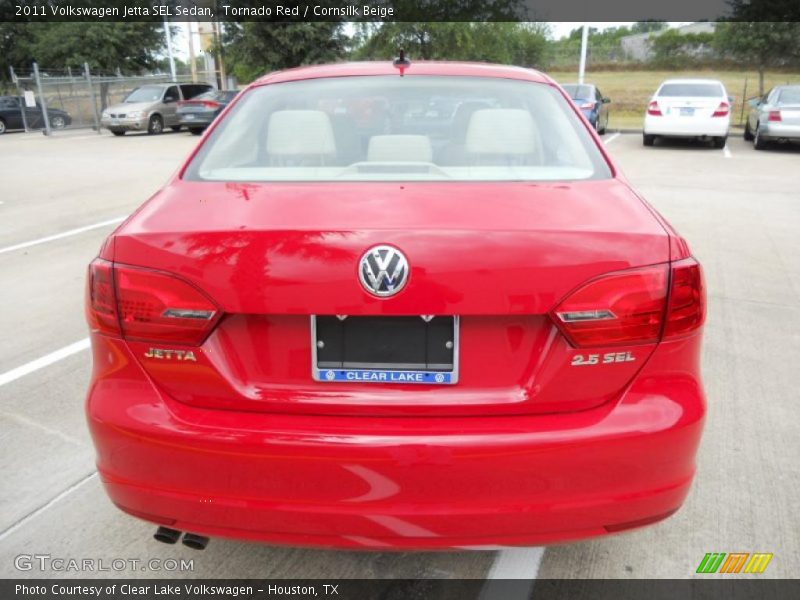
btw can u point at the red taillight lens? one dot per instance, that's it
(101, 302)
(653, 109)
(722, 110)
(687, 302)
(620, 308)
(587, 106)
(210, 104)
(774, 116)
(634, 306)
(148, 305)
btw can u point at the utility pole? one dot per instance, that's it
(169, 50)
(192, 59)
(220, 57)
(584, 43)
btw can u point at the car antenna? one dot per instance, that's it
(401, 62)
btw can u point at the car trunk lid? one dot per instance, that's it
(499, 256)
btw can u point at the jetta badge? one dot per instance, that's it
(383, 271)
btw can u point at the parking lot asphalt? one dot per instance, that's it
(738, 209)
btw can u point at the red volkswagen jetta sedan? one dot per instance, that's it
(397, 308)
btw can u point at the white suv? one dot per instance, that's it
(696, 108)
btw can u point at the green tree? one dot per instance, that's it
(675, 49)
(129, 47)
(603, 45)
(762, 45)
(521, 44)
(762, 34)
(648, 26)
(15, 47)
(255, 48)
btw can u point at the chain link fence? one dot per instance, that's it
(48, 100)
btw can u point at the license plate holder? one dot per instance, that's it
(687, 111)
(388, 350)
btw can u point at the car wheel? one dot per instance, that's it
(2, 127)
(602, 130)
(648, 140)
(719, 142)
(176, 128)
(58, 122)
(156, 125)
(118, 131)
(759, 143)
(195, 130)
(748, 135)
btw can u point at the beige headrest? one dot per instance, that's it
(300, 132)
(501, 131)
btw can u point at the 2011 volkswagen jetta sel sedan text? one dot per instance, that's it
(397, 306)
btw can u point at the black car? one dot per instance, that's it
(11, 108)
(196, 114)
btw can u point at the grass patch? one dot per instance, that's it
(631, 90)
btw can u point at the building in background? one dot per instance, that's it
(639, 46)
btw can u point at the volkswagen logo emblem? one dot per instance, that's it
(383, 271)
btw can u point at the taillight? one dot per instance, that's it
(774, 116)
(147, 305)
(587, 106)
(101, 301)
(653, 109)
(686, 308)
(210, 104)
(635, 306)
(722, 110)
(621, 308)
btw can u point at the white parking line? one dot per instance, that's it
(44, 361)
(22, 420)
(519, 564)
(44, 507)
(726, 151)
(610, 139)
(61, 235)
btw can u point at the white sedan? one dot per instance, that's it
(690, 108)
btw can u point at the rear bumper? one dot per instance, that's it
(198, 120)
(398, 483)
(686, 126)
(125, 124)
(773, 130)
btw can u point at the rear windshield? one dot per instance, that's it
(789, 96)
(216, 95)
(147, 93)
(698, 90)
(390, 128)
(582, 92)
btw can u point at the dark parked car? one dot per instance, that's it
(591, 102)
(196, 114)
(11, 108)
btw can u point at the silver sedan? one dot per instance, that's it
(775, 117)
